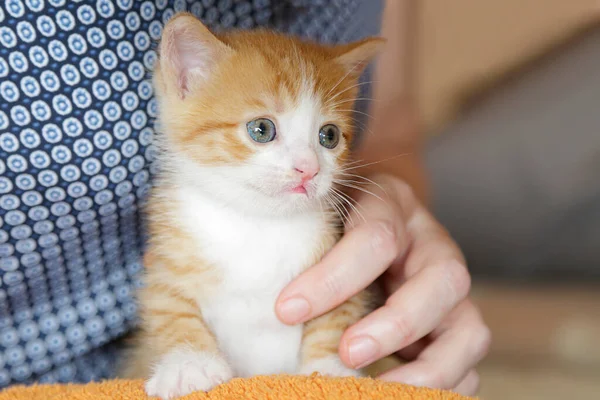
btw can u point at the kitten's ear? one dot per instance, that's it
(357, 55)
(189, 53)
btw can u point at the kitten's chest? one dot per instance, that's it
(255, 254)
(250, 334)
(255, 259)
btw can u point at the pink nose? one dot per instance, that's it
(306, 165)
(307, 172)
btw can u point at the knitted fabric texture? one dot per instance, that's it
(259, 388)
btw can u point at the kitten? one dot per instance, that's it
(255, 126)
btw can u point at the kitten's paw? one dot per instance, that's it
(330, 366)
(183, 371)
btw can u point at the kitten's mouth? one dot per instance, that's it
(300, 189)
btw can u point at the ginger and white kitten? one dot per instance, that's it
(254, 128)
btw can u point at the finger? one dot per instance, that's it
(430, 242)
(470, 385)
(440, 251)
(409, 314)
(412, 351)
(352, 265)
(448, 360)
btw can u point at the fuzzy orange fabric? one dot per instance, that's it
(263, 388)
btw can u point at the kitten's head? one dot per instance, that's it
(259, 120)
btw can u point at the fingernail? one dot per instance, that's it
(294, 310)
(362, 351)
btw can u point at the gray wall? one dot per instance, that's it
(516, 180)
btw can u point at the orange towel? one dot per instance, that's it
(258, 388)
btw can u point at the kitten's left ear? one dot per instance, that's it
(357, 55)
(189, 53)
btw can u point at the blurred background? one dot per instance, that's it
(510, 94)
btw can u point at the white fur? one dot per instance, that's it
(257, 256)
(183, 371)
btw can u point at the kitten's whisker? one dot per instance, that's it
(358, 112)
(347, 199)
(349, 163)
(347, 89)
(335, 205)
(342, 79)
(337, 180)
(365, 178)
(374, 162)
(347, 196)
(338, 201)
(362, 125)
(342, 205)
(327, 208)
(362, 190)
(337, 208)
(352, 101)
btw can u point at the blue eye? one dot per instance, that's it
(329, 136)
(261, 130)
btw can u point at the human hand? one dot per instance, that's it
(427, 319)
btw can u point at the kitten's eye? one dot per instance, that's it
(329, 136)
(261, 130)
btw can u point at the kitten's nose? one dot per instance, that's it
(307, 169)
(307, 173)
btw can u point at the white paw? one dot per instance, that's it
(330, 366)
(183, 371)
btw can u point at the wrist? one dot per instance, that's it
(409, 169)
(393, 146)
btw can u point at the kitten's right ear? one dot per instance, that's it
(189, 53)
(355, 56)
